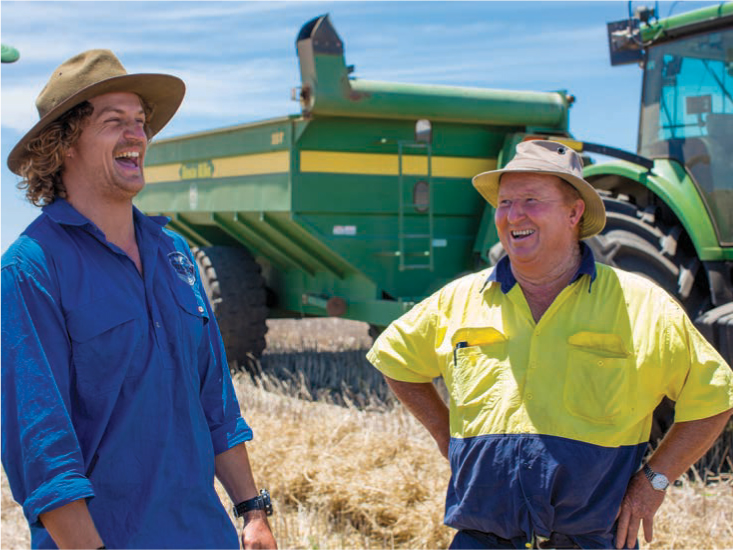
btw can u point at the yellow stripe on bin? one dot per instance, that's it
(274, 162)
(166, 172)
(381, 164)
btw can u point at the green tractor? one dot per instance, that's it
(670, 212)
(362, 204)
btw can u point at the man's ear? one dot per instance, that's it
(576, 212)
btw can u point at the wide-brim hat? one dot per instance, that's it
(93, 73)
(554, 159)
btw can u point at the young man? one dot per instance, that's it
(554, 365)
(117, 404)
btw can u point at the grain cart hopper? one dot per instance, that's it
(351, 208)
(362, 204)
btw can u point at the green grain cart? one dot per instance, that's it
(362, 204)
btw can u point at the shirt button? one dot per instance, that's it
(529, 396)
(600, 363)
(157, 324)
(201, 309)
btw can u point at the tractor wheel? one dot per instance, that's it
(235, 287)
(634, 240)
(375, 331)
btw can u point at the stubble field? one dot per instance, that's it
(349, 468)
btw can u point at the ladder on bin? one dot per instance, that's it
(423, 259)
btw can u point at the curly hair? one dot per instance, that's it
(43, 164)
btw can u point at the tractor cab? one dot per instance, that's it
(687, 115)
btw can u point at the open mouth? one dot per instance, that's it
(523, 234)
(128, 159)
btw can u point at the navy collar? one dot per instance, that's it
(61, 211)
(502, 273)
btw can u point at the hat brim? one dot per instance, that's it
(164, 93)
(594, 216)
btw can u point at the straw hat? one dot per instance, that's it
(93, 73)
(555, 159)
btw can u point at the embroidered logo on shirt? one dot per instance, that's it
(183, 267)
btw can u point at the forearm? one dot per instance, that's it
(425, 404)
(235, 473)
(685, 443)
(71, 526)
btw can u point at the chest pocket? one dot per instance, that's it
(186, 325)
(599, 378)
(477, 368)
(106, 340)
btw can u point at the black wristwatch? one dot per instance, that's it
(260, 502)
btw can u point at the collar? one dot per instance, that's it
(502, 273)
(61, 211)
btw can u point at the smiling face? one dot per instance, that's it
(537, 219)
(107, 159)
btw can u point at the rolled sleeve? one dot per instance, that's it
(40, 449)
(406, 350)
(231, 434)
(62, 489)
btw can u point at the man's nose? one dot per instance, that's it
(134, 130)
(516, 211)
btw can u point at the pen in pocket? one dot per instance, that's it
(459, 345)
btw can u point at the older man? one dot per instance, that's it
(117, 404)
(554, 365)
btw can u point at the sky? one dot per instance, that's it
(239, 63)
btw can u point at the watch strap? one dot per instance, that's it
(260, 502)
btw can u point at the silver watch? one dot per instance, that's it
(659, 481)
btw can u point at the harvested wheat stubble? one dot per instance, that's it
(370, 476)
(336, 463)
(341, 477)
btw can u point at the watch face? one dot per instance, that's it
(660, 482)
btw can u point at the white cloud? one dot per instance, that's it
(18, 107)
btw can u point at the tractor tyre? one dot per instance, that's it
(375, 331)
(635, 241)
(236, 290)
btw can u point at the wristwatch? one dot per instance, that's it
(659, 481)
(260, 502)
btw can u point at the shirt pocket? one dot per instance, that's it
(477, 367)
(599, 377)
(106, 338)
(188, 321)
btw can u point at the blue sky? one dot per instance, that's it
(239, 64)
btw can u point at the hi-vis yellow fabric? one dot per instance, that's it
(591, 370)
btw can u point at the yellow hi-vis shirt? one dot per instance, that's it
(549, 420)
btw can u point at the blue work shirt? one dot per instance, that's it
(115, 385)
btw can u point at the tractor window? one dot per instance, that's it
(687, 114)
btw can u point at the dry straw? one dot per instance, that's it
(364, 474)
